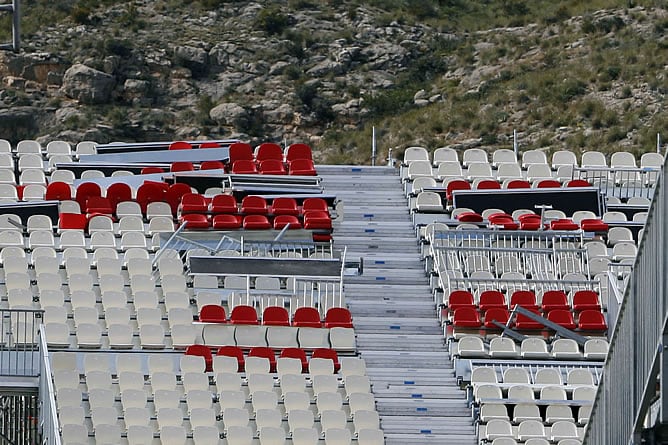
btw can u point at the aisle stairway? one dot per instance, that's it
(398, 333)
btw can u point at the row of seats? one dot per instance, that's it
(588, 320)
(529, 430)
(530, 411)
(541, 376)
(504, 348)
(232, 359)
(250, 205)
(530, 157)
(277, 316)
(546, 301)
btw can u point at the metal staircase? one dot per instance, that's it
(398, 333)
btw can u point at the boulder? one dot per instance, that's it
(87, 85)
(227, 113)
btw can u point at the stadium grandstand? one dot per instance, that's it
(210, 292)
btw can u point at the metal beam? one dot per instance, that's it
(562, 331)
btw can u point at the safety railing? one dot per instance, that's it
(19, 343)
(632, 380)
(48, 414)
(621, 182)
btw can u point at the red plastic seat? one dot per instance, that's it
(233, 351)
(529, 222)
(586, 299)
(272, 167)
(488, 184)
(58, 191)
(518, 184)
(151, 170)
(338, 317)
(193, 203)
(181, 167)
(524, 298)
(503, 220)
(328, 353)
(85, 191)
(212, 313)
(284, 206)
(549, 184)
(244, 167)
(554, 299)
(268, 150)
(314, 220)
(180, 145)
(240, 151)
(254, 205)
(591, 320)
(469, 217)
(256, 222)
(524, 322)
(211, 165)
(202, 351)
(466, 317)
(317, 204)
(195, 221)
(457, 184)
(150, 192)
(72, 221)
(578, 183)
(593, 225)
(492, 299)
(298, 151)
(297, 353)
(175, 193)
(499, 314)
(281, 221)
(224, 204)
(301, 167)
(209, 145)
(98, 204)
(226, 222)
(119, 192)
(563, 224)
(460, 298)
(265, 352)
(275, 316)
(307, 317)
(562, 317)
(243, 314)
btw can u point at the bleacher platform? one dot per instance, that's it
(204, 298)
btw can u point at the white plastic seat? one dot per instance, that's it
(31, 160)
(566, 349)
(580, 376)
(120, 335)
(338, 436)
(92, 174)
(412, 154)
(526, 411)
(477, 170)
(169, 417)
(530, 428)
(152, 336)
(296, 401)
(417, 169)
(552, 393)
(596, 349)
(562, 158)
(206, 435)
(139, 434)
(155, 209)
(32, 176)
(89, 335)
(444, 154)
(445, 170)
(537, 172)
(65, 176)
(533, 157)
(548, 376)
(332, 419)
(231, 398)
(34, 192)
(235, 417)
(160, 224)
(172, 435)
(474, 155)
(534, 348)
(563, 429)
(555, 413)
(106, 434)
(593, 159)
(503, 347)
(300, 418)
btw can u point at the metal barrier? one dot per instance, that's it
(636, 368)
(48, 414)
(15, 10)
(623, 183)
(19, 342)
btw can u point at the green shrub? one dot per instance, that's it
(271, 20)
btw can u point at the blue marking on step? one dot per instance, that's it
(380, 278)
(355, 169)
(368, 215)
(422, 409)
(379, 262)
(425, 431)
(394, 326)
(369, 230)
(409, 382)
(416, 396)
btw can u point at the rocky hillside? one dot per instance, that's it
(453, 72)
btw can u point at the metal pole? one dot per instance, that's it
(16, 27)
(373, 146)
(658, 142)
(515, 147)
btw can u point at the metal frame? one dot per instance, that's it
(632, 399)
(15, 10)
(621, 182)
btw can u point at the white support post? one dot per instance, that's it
(373, 146)
(515, 145)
